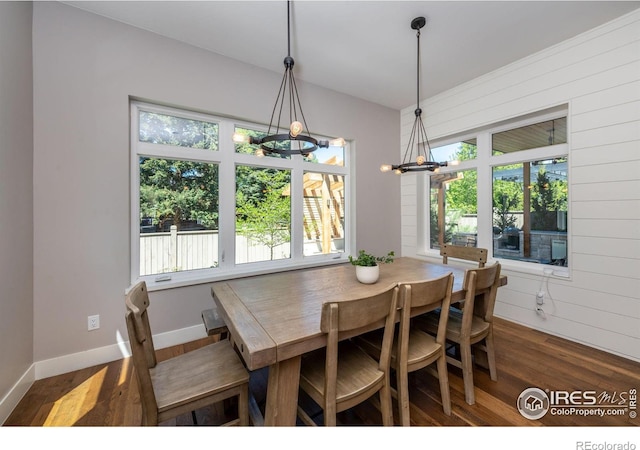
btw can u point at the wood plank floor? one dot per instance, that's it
(106, 395)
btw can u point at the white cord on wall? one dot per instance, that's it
(543, 291)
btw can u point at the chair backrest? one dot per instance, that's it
(142, 350)
(377, 310)
(475, 254)
(435, 293)
(481, 283)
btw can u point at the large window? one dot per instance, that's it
(205, 208)
(510, 192)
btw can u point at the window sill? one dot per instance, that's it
(528, 268)
(184, 279)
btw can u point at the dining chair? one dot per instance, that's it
(475, 254)
(472, 327)
(342, 375)
(414, 349)
(186, 382)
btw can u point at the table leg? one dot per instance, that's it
(282, 393)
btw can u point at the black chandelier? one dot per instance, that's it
(418, 138)
(289, 140)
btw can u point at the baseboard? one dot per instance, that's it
(102, 355)
(15, 394)
(81, 360)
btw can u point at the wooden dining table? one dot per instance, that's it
(274, 319)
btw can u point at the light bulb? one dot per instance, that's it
(455, 162)
(295, 128)
(420, 160)
(385, 168)
(240, 138)
(338, 142)
(260, 153)
(398, 172)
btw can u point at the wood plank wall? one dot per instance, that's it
(597, 75)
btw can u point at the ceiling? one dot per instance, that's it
(367, 49)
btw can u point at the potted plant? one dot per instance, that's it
(367, 266)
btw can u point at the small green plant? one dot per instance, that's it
(365, 259)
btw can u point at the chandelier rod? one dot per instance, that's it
(418, 71)
(288, 28)
(275, 140)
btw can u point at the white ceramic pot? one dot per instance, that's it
(367, 274)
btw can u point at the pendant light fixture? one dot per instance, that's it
(293, 138)
(418, 139)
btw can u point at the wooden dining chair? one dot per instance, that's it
(414, 349)
(186, 382)
(472, 327)
(475, 254)
(342, 375)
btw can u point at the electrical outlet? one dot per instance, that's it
(93, 322)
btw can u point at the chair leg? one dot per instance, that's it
(330, 412)
(402, 381)
(385, 404)
(467, 373)
(443, 377)
(491, 356)
(243, 405)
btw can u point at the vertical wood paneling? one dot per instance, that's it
(598, 75)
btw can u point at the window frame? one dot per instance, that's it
(227, 159)
(484, 163)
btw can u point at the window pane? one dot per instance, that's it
(454, 208)
(178, 215)
(263, 214)
(541, 134)
(460, 151)
(334, 155)
(170, 130)
(530, 211)
(250, 148)
(323, 213)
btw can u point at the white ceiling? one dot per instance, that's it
(367, 49)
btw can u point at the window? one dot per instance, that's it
(205, 208)
(263, 214)
(454, 210)
(519, 175)
(454, 197)
(530, 211)
(324, 206)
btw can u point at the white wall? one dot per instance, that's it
(85, 69)
(16, 204)
(598, 75)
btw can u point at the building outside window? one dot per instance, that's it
(519, 170)
(204, 206)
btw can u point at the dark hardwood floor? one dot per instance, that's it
(106, 395)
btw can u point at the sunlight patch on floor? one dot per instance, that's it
(68, 409)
